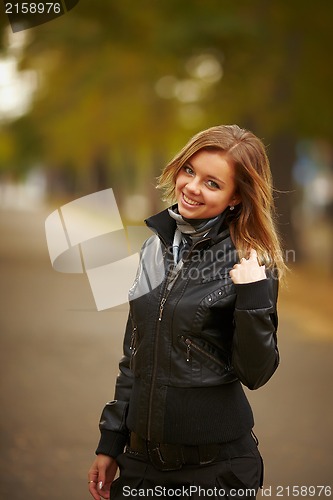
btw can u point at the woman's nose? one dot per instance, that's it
(193, 186)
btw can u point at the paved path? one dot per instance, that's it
(58, 360)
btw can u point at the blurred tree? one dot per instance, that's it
(28, 145)
(122, 87)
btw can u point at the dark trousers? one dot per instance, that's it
(237, 478)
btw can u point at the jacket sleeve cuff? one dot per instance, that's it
(253, 295)
(111, 443)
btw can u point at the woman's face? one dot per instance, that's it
(205, 185)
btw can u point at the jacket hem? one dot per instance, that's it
(111, 443)
(253, 295)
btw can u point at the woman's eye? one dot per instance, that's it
(213, 184)
(188, 170)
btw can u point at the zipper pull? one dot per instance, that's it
(161, 308)
(188, 349)
(133, 338)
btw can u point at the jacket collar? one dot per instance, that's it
(164, 226)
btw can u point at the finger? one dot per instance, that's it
(101, 486)
(104, 491)
(233, 275)
(101, 476)
(253, 254)
(92, 483)
(93, 491)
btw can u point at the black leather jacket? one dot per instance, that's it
(188, 327)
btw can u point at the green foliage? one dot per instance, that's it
(20, 146)
(100, 63)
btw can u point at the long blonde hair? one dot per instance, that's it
(252, 222)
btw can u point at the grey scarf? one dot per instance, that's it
(188, 231)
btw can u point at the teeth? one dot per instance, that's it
(190, 202)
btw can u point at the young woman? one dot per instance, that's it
(202, 322)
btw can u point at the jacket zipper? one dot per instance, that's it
(163, 301)
(192, 345)
(133, 341)
(132, 347)
(166, 292)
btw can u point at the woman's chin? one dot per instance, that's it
(189, 214)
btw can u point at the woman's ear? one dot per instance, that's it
(236, 200)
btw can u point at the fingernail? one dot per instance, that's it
(100, 485)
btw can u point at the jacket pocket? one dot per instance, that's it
(206, 354)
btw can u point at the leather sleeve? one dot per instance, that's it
(255, 355)
(112, 425)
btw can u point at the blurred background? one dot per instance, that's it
(103, 97)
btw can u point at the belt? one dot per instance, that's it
(173, 456)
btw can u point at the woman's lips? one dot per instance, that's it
(190, 202)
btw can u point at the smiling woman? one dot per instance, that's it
(205, 185)
(180, 417)
(238, 158)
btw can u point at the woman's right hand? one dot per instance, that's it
(100, 476)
